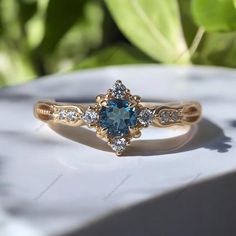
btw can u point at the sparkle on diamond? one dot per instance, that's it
(118, 90)
(90, 117)
(146, 117)
(118, 144)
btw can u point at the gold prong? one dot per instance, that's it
(103, 103)
(109, 92)
(137, 134)
(127, 91)
(140, 106)
(118, 154)
(102, 132)
(90, 125)
(128, 142)
(134, 133)
(132, 104)
(99, 98)
(98, 134)
(136, 98)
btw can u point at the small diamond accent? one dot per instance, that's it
(174, 116)
(68, 115)
(90, 117)
(72, 115)
(146, 117)
(165, 117)
(169, 117)
(62, 115)
(118, 90)
(118, 144)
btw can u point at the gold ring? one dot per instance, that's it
(118, 116)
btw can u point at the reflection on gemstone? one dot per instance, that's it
(117, 117)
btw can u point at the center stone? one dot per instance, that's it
(117, 117)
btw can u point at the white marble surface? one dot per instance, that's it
(57, 184)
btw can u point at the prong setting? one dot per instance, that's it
(100, 98)
(146, 117)
(116, 117)
(136, 98)
(90, 117)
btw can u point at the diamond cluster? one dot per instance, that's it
(69, 115)
(118, 90)
(117, 117)
(117, 113)
(168, 116)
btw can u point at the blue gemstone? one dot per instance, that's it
(117, 117)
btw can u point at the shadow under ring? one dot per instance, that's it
(140, 147)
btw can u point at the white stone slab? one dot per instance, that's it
(57, 184)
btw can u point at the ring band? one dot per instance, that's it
(118, 116)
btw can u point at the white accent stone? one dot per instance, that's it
(165, 117)
(90, 117)
(62, 115)
(72, 115)
(68, 115)
(118, 144)
(174, 116)
(169, 117)
(118, 90)
(145, 117)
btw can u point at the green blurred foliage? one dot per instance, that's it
(40, 37)
(158, 35)
(215, 15)
(115, 55)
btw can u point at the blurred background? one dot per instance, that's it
(40, 37)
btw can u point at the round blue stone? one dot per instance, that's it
(117, 117)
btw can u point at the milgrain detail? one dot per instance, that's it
(44, 111)
(59, 113)
(191, 113)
